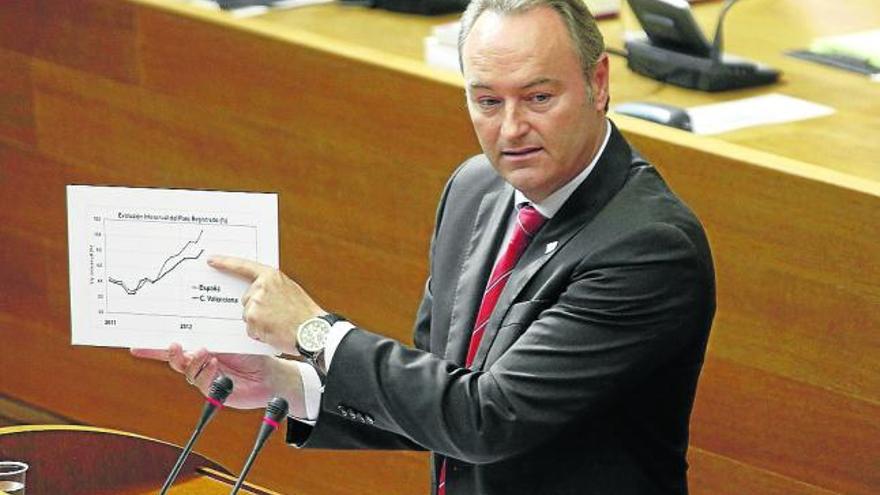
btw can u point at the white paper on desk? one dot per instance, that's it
(138, 265)
(773, 108)
(258, 9)
(255, 10)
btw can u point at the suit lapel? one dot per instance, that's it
(488, 230)
(588, 200)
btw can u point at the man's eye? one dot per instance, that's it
(541, 98)
(487, 102)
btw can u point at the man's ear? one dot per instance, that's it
(599, 83)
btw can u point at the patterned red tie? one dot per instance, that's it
(528, 222)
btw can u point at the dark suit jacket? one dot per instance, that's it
(585, 377)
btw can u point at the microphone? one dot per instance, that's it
(275, 411)
(718, 42)
(677, 52)
(221, 387)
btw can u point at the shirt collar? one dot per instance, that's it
(553, 203)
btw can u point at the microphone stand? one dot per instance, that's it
(221, 387)
(275, 411)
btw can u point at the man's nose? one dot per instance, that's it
(514, 124)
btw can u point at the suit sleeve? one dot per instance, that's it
(614, 322)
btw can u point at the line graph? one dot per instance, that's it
(139, 275)
(162, 270)
(154, 266)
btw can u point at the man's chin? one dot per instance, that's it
(525, 181)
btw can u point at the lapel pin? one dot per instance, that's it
(550, 246)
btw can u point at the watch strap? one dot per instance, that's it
(332, 318)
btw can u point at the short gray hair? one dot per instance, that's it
(582, 28)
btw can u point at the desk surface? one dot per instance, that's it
(759, 29)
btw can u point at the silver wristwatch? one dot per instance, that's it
(311, 338)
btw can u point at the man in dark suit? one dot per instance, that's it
(564, 324)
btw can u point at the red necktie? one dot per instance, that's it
(528, 222)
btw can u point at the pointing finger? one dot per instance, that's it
(247, 269)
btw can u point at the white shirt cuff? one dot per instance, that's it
(311, 391)
(337, 332)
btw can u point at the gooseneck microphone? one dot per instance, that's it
(221, 387)
(677, 52)
(718, 40)
(275, 412)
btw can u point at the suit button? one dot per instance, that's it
(369, 419)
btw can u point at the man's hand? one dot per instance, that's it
(255, 378)
(274, 305)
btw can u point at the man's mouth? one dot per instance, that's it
(523, 152)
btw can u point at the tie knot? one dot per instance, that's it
(529, 219)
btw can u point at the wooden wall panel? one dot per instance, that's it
(16, 98)
(127, 136)
(91, 35)
(14, 412)
(787, 427)
(32, 187)
(36, 228)
(712, 474)
(796, 263)
(276, 81)
(31, 223)
(18, 25)
(27, 267)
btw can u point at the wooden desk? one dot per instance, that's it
(80, 460)
(159, 94)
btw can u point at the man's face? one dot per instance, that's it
(529, 100)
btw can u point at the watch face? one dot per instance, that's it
(312, 334)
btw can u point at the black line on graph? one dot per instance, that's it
(162, 271)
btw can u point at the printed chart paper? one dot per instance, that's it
(138, 265)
